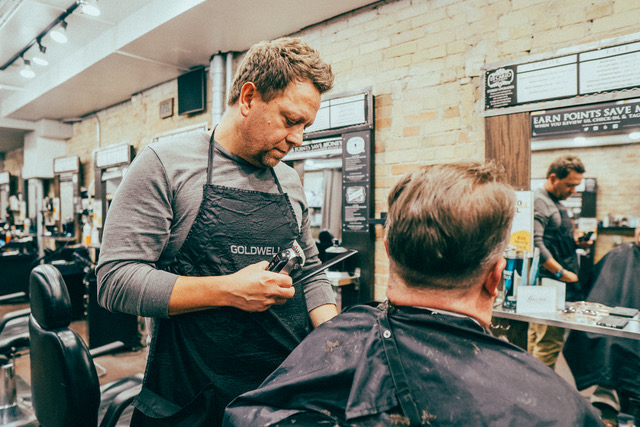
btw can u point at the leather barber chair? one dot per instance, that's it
(64, 382)
(15, 393)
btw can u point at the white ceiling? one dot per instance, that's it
(131, 46)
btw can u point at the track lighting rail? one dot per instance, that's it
(39, 37)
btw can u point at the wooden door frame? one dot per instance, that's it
(508, 141)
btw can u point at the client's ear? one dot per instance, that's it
(493, 277)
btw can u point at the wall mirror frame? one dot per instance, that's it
(111, 164)
(607, 68)
(336, 165)
(584, 101)
(66, 171)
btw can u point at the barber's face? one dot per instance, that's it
(565, 187)
(271, 129)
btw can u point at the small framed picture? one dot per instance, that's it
(166, 108)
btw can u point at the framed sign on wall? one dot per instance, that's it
(166, 108)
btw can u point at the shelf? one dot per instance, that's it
(61, 239)
(625, 231)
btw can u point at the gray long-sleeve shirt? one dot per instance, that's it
(154, 208)
(546, 215)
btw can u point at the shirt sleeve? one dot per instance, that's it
(136, 231)
(542, 214)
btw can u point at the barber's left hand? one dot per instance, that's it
(585, 244)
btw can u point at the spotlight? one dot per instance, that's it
(40, 61)
(26, 71)
(59, 33)
(89, 7)
(39, 58)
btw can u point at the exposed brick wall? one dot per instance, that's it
(133, 122)
(616, 169)
(423, 59)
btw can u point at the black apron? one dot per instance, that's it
(198, 362)
(562, 246)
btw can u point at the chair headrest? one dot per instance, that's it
(50, 302)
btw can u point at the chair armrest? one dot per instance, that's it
(9, 297)
(12, 316)
(10, 345)
(106, 349)
(118, 405)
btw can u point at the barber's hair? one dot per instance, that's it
(563, 165)
(447, 224)
(272, 65)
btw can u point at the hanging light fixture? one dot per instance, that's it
(89, 7)
(39, 57)
(26, 71)
(59, 33)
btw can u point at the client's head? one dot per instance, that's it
(448, 225)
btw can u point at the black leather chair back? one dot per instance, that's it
(64, 382)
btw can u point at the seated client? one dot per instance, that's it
(424, 356)
(611, 363)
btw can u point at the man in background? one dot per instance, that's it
(555, 237)
(424, 356)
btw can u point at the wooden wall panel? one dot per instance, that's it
(508, 140)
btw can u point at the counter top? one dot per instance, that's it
(342, 278)
(577, 321)
(61, 238)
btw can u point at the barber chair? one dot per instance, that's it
(15, 394)
(64, 381)
(14, 276)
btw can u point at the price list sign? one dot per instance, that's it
(603, 70)
(356, 173)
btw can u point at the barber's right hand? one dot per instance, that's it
(569, 277)
(255, 289)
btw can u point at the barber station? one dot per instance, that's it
(216, 213)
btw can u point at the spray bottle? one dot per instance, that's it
(509, 302)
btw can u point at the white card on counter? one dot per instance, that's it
(536, 299)
(561, 289)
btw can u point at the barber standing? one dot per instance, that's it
(189, 233)
(554, 236)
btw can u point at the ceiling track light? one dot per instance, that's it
(56, 29)
(39, 58)
(26, 71)
(59, 33)
(89, 7)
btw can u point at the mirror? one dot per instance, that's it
(4, 203)
(68, 198)
(609, 147)
(111, 179)
(322, 183)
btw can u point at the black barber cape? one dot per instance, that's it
(598, 359)
(458, 374)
